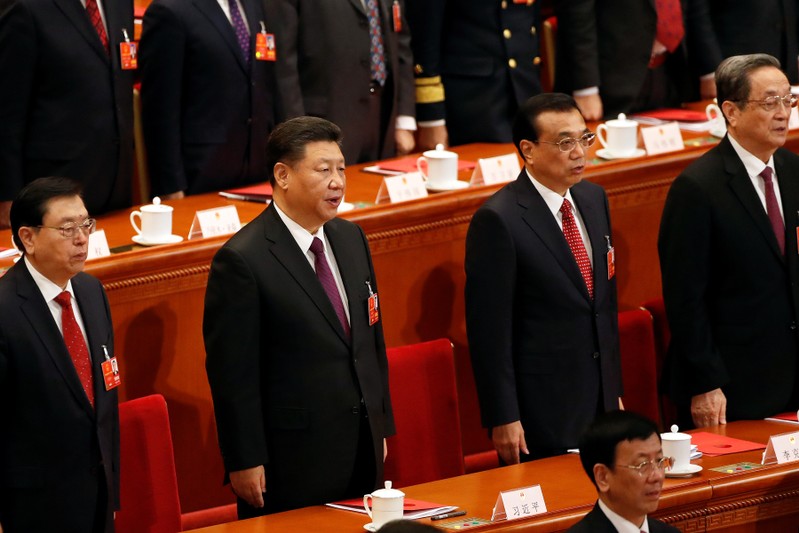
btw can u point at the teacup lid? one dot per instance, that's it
(675, 434)
(622, 121)
(439, 153)
(156, 206)
(388, 492)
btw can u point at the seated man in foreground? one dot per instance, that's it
(622, 455)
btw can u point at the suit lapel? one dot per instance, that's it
(742, 187)
(285, 249)
(359, 6)
(789, 193)
(214, 13)
(77, 16)
(42, 324)
(539, 218)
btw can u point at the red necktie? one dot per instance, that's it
(577, 246)
(76, 344)
(773, 209)
(97, 21)
(329, 283)
(670, 28)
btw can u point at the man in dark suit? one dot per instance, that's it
(59, 455)
(208, 93)
(622, 455)
(611, 58)
(329, 72)
(476, 62)
(541, 313)
(728, 257)
(66, 104)
(295, 352)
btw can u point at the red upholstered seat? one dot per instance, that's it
(638, 362)
(148, 484)
(149, 487)
(662, 339)
(424, 396)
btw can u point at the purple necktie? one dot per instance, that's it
(329, 283)
(376, 51)
(773, 209)
(242, 34)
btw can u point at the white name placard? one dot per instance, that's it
(98, 245)
(499, 169)
(215, 221)
(663, 139)
(783, 448)
(519, 503)
(401, 188)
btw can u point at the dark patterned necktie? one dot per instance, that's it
(572, 234)
(329, 283)
(376, 49)
(242, 35)
(773, 209)
(76, 344)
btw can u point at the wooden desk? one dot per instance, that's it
(768, 496)
(156, 294)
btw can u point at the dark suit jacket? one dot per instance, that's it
(286, 382)
(596, 522)
(607, 44)
(541, 350)
(731, 298)
(327, 73)
(463, 42)
(66, 108)
(734, 27)
(206, 113)
(53, 441)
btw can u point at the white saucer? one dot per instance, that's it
(684, 472)
(343, 207)
(172, 239)
(454, 186)
(370, 527)
(606, 154)
(718, 133)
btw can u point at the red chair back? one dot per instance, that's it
(148, 484)
(424, 396)
(638, 363)
(662, 339)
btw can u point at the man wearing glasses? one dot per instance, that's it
(622, 456)
(728, 258)
(541, 291)
(59, 455)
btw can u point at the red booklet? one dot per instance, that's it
(412, 509)
(408, 164)
(261, 192)
(680, 115)
(711, 444)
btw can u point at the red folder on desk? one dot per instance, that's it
(711, 444)
(253, 193)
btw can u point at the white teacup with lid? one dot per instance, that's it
(387, 505)
(677, 445)
(156, 221)
(442, 167)
(619, 136)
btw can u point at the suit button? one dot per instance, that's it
(356, 411)
(372, 90)
(504, 4)
(506, 33)
(512, 63)
(793, 325)
(418, 69)
(536, 60)
(595, 355)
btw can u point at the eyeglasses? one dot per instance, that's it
(770, 103)
(70, 229)
(569, 143)
(645, 468)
